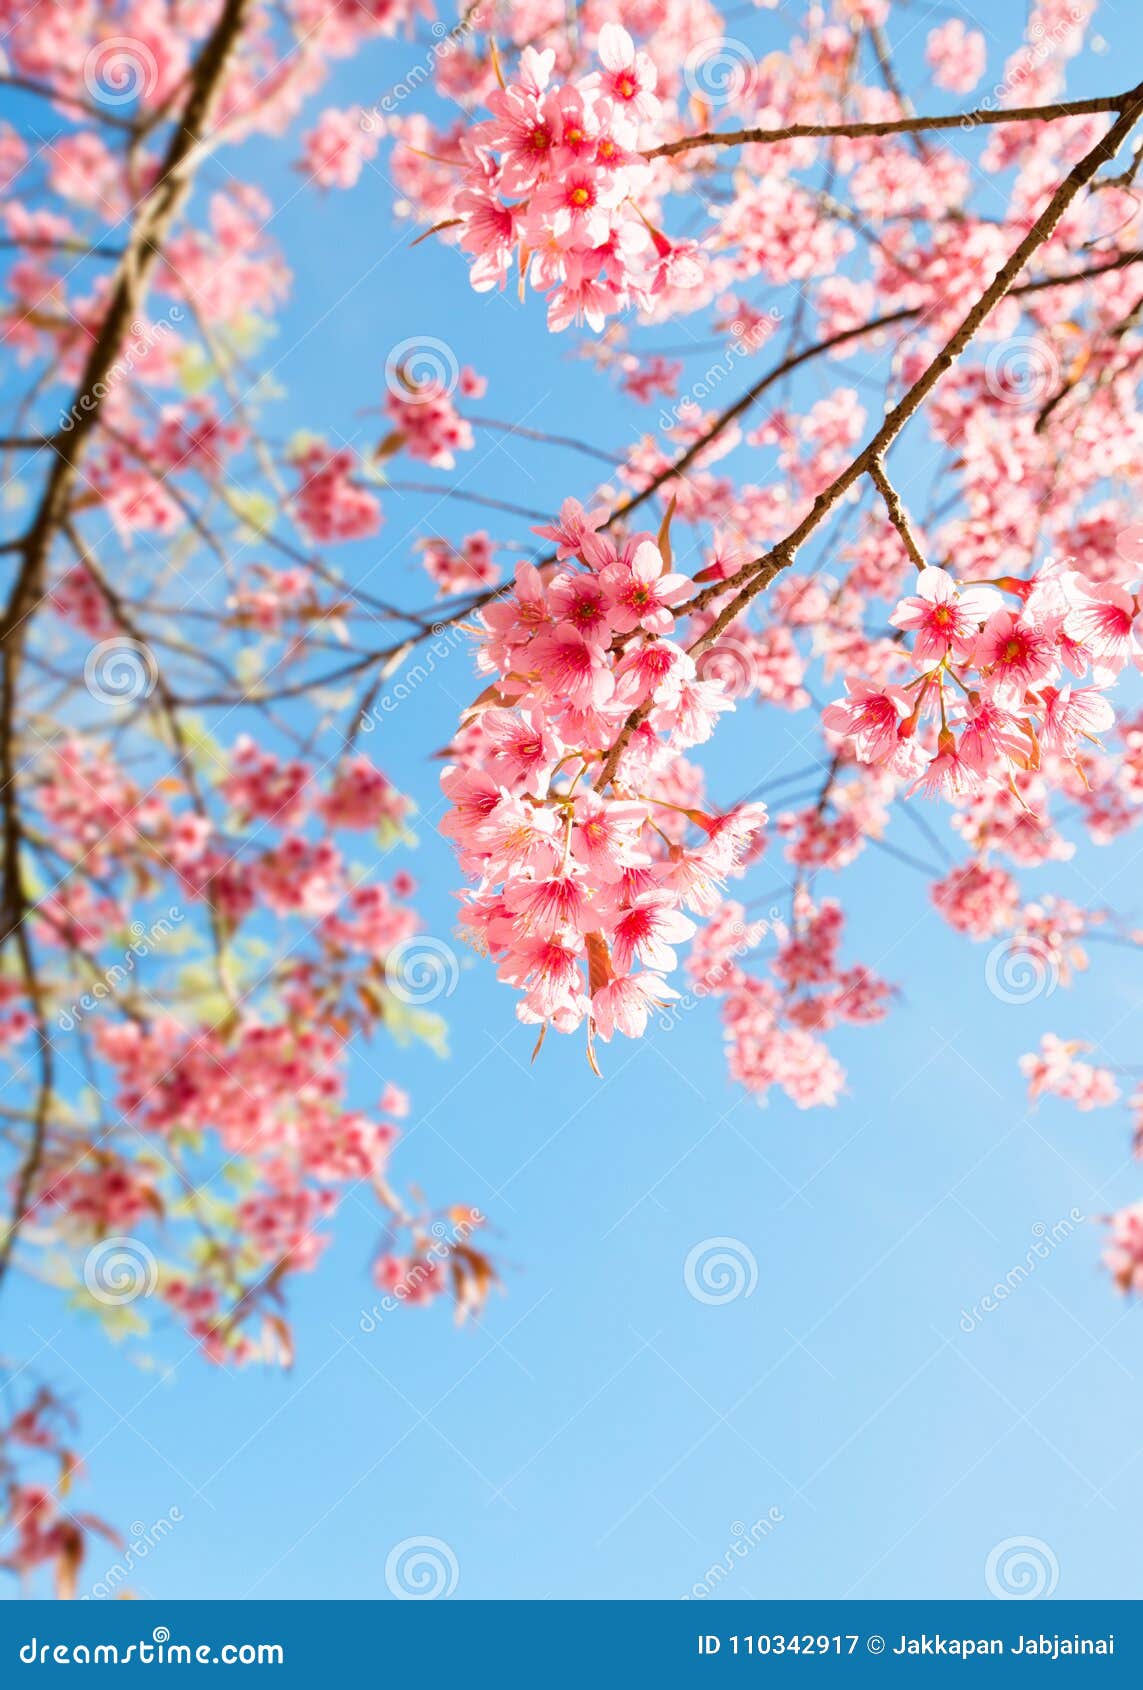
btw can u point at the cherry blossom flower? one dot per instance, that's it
(943, 618)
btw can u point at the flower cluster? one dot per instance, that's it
(330, 504)
(1058, 1068)
(253, 1070)
(555, 177)
(957, 56)
(38, 1468)
(585, 838)
(771, 1027)
(207, 923)
(463, 568)
(1123, 1254)
(426, 422)
(336, 150)
(995, 680)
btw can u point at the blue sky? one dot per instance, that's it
(600, 1432)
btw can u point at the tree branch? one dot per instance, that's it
(156, 213)
(896, 510)
(889, 126)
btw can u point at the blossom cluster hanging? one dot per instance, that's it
(555, 181)
(590, 858)
(995, 679)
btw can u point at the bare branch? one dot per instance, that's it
(896, 510)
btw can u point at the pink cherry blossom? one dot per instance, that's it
(942, 617)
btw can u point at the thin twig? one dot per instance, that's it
(888, 126)
(896, 510)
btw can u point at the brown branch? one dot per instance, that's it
(889, 126)
(430, 489)
(32, 85)
(897, 514)
(889, 76)
(156, 214)
(1072, 382)
(1121, 261)
(475, 602)
(34, 1155)
(547, 439)
(169, 706)
(46, 243)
